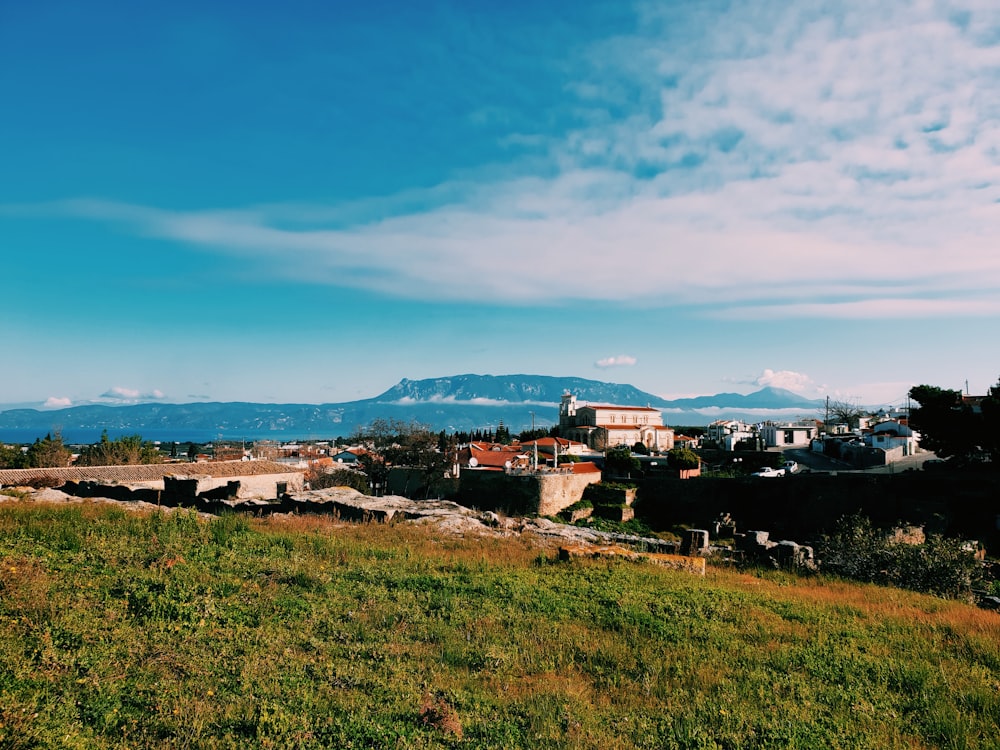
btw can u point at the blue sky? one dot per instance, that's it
(307, 202)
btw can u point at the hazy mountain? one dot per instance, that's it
(765, 398)
(535, 389)
(460, 402)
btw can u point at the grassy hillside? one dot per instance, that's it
(123, 630)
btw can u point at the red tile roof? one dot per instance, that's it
(497, 459)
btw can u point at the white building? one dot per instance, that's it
(897, 439)
(727, 433)
(607, 425)
(787, 434)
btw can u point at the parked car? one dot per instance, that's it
(791, 467)
(767, 471)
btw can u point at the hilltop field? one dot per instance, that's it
(124, 629)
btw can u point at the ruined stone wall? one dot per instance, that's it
(497, 491)
(523, 494)
(559, 491)
(264, 486)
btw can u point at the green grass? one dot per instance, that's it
(122, 630)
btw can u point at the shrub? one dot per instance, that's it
(607, 494)
(683, 458)
(321, 480)
(941, 565)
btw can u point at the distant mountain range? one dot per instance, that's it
(460, 402)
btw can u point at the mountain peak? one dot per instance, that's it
(451, 403)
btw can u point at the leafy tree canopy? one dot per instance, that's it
(48, 452)
(123, 451)
(683, 458)
(12, 457)
(619, 460)
(951, 427)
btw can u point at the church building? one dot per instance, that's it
(603, 426)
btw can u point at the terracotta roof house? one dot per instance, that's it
(493, 460)
(549, 445)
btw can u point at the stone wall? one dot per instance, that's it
(264, 486)
(540, 494)
(804, 506)
(559, 491)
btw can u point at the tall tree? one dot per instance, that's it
(48, 452)
(951, 427)
(12, 457)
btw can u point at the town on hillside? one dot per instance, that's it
(603, 465)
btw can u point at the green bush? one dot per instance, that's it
(607, 494)
(683, 458)
(857, 550)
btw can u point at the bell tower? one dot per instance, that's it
(567, 411)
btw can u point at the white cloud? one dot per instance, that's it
(57, 402)
(787, 379)
(784, 162)
(622, 360)
(120, 394)
(481, 401)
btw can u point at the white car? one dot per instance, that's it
(767, 471)
(791, 467)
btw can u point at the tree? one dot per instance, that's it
(640, 448)
(599, 439)
(619, 460)
(406, 444)
(950, 427)
(12, 457)
(48, 452)
(683, 458)
(990, 440)
(123, 451)
(844, 412)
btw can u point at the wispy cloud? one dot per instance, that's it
(622, 360)
(779, 160)
(57, 402)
